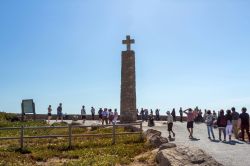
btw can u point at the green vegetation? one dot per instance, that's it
(55, 151)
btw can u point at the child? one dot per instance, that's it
(170, 124)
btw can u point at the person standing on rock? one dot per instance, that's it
(209, 121)
(235, 116)
(190, 121)
(244, 124)
(170, 124)
(222, 123)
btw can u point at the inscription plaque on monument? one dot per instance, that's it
(128, 84)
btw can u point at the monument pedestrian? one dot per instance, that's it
(244, 124)
(93, 113)
(59, 113)
(142, 114)
(157, 114)
(105, 116)
(115, 116)
(151, 120)
(111, 116)
(181, 114)
(209, 121)
(190, 121)
(83, 114)
(146, 114)
(222, 123)
(173, 114)
(100, 114)
(229, 127)
(235, 116)
(49, 113)
(170, 124)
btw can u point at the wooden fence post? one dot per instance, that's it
(21, 136)
(113, 132)
(70, 135)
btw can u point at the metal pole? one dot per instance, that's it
(70, 135)
(21, 136)
(113, 131)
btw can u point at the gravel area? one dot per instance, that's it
(234, 154)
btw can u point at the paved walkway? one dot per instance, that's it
(235, 154)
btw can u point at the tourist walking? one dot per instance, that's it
(83, 114)
(222, 123)
(93, 113)
(190, 122)
(229, 127)
(173, 114)
(181, 115)
(235, 116)
(49, 113)
(170, 124)
(115, 116)
(244, 124)
(209, 121)
(59, 113)
(105, 116)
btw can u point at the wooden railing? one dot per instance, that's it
(69, 135)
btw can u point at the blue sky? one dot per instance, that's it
(188, 53)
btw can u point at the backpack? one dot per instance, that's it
(223, 121)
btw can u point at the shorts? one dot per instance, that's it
(49, 114)
(59, 114)
(190, 124)
(170, 126)
(100, 116)
(83, 116)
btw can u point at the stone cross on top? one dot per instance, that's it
(128, 42)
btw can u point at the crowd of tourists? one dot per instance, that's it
(228, 122)
(106, 116)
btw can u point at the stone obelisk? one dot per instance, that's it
(128, 84)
